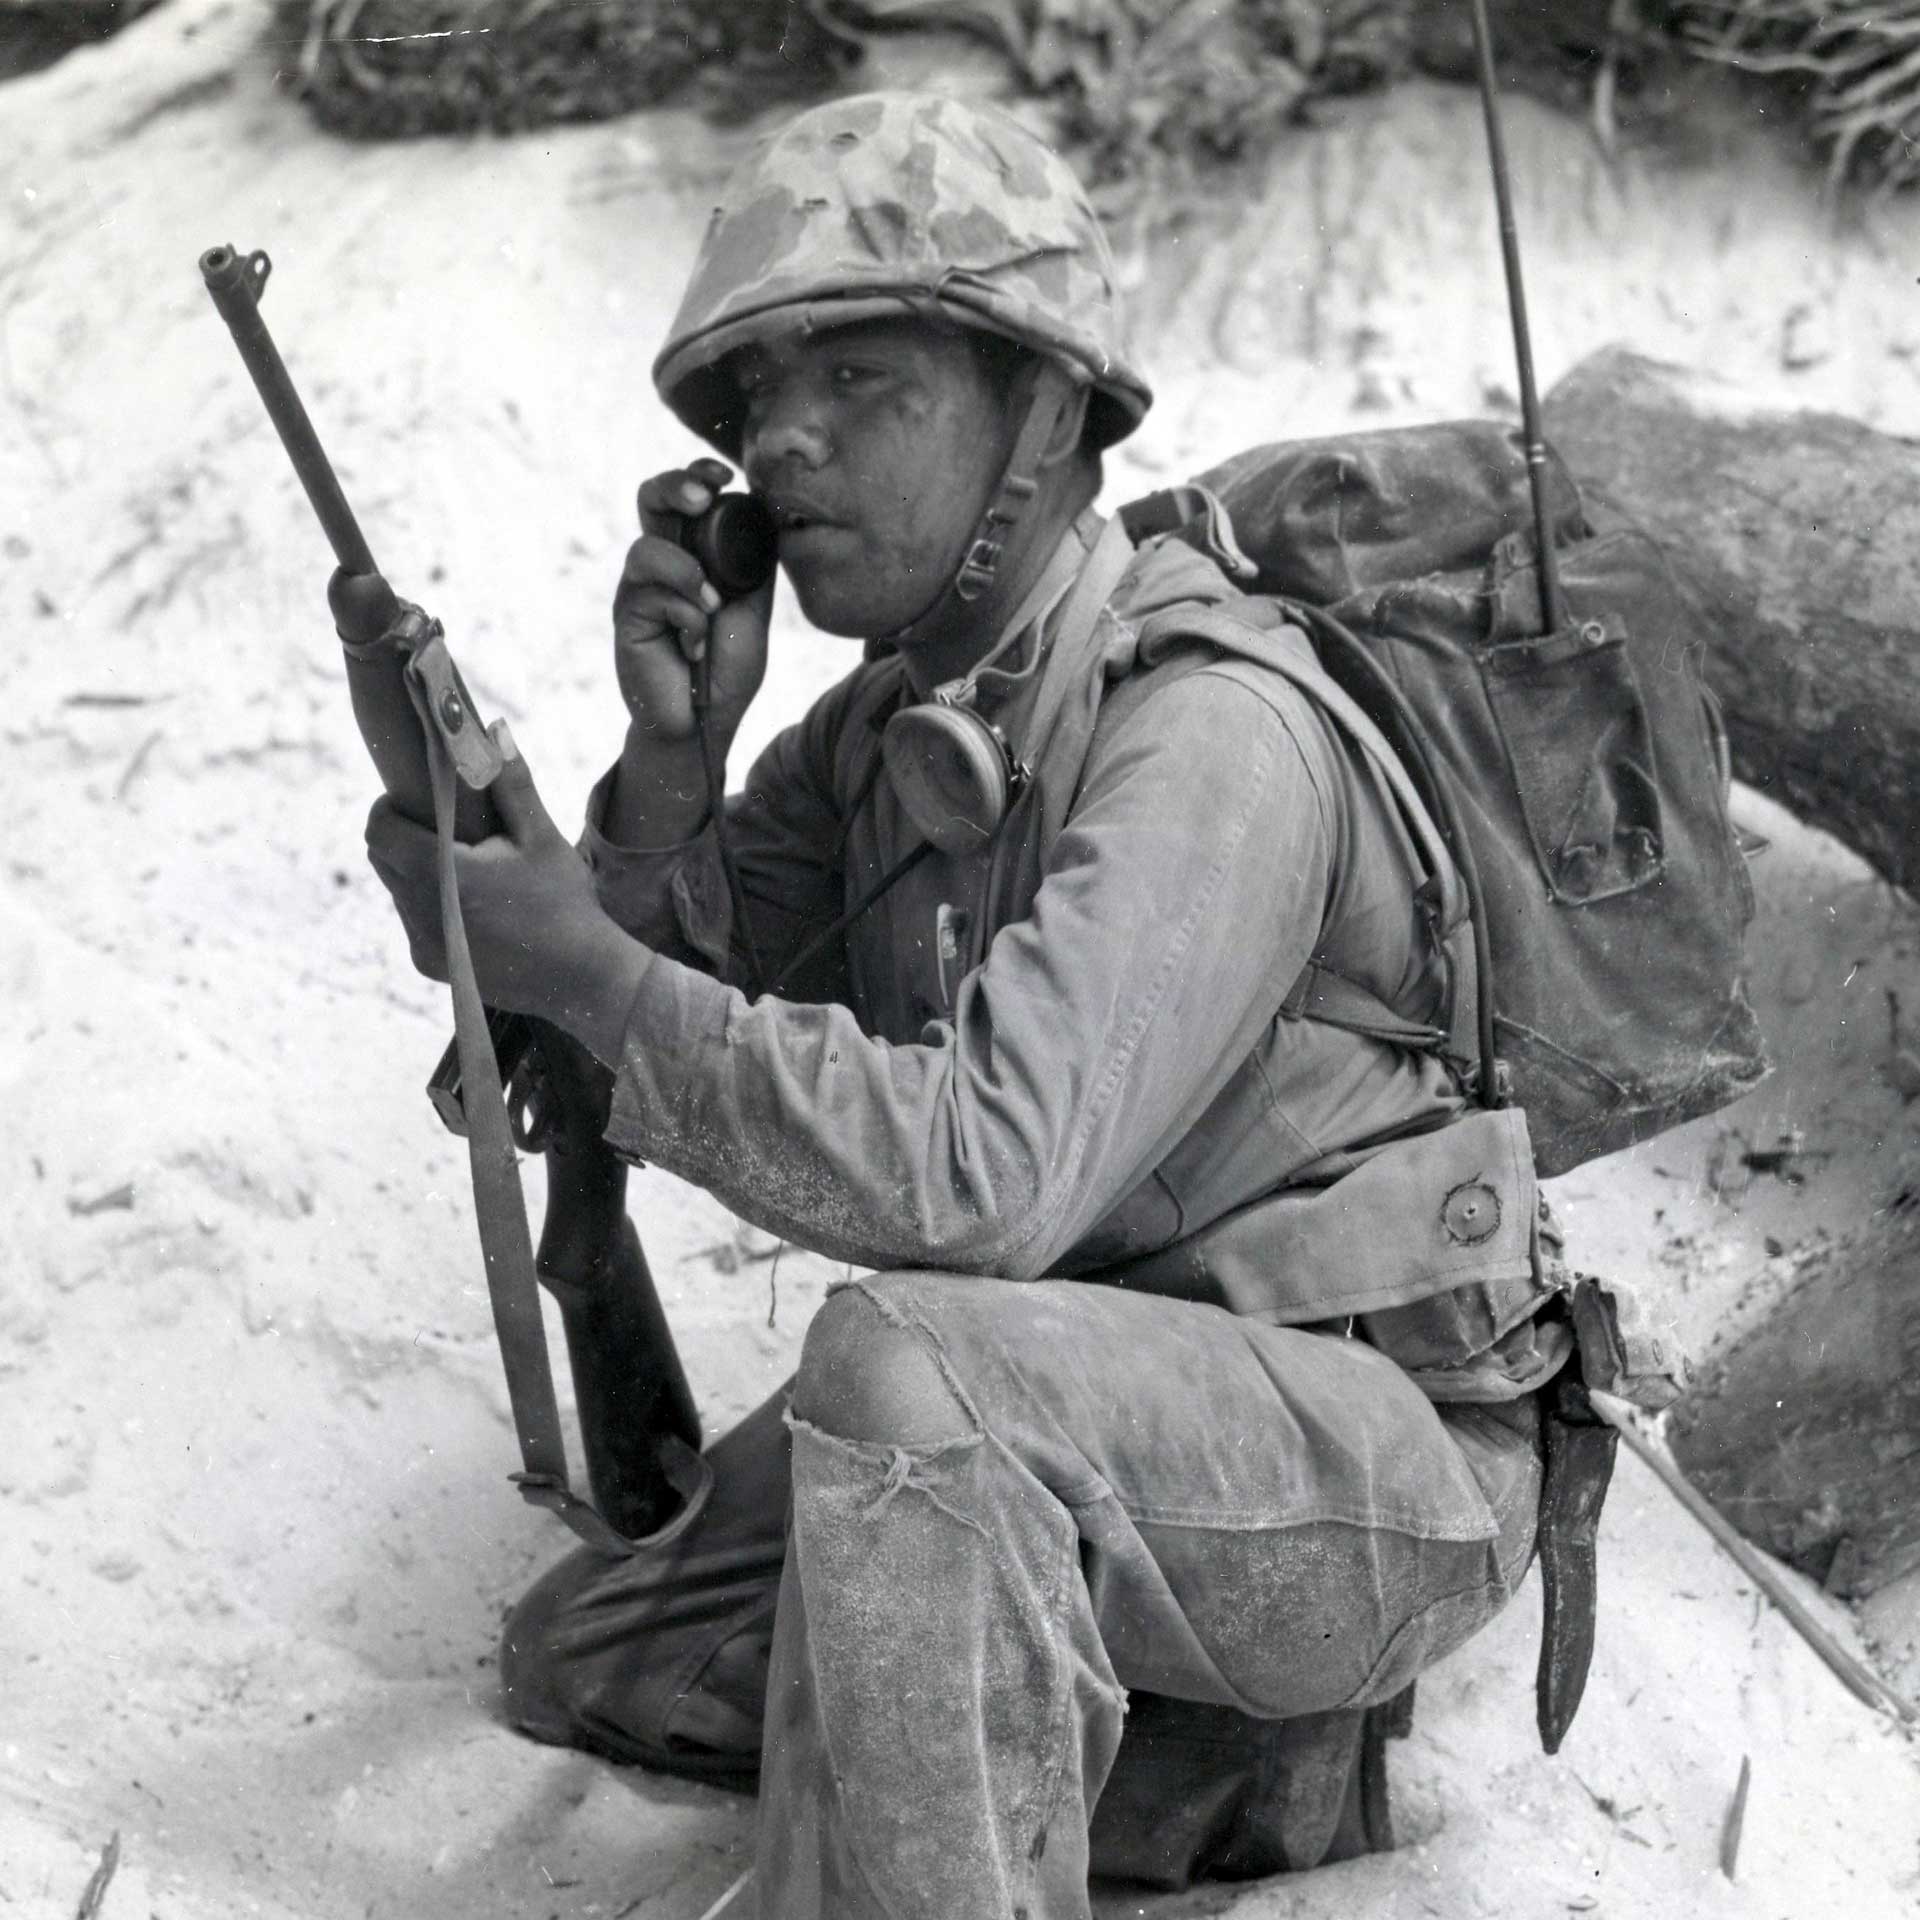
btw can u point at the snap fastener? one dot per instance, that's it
(1470, 1213)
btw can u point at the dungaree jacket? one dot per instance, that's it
(1065, 1053)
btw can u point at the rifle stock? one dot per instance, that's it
(627, 1379)
(636, 1409)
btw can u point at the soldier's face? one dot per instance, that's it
(877, 446)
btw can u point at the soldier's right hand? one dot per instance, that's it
(667, 615)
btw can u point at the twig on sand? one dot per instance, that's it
(1858, 1681)
(726, 1899)
(132, 770)
(1605, 1803)
(1736, 1819)
(120, 1196)
(96, 1890)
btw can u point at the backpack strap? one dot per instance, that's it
(1335, 1001)
(1320, 993)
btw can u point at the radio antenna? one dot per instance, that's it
(1536, 445)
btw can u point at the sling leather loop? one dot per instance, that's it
(498, 1202)
(688, 1473)
(476, 759)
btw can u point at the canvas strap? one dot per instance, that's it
(1335, 1001)
(498, 1201)
(1073, 679)
(1320, 993)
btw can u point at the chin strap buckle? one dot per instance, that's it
(1018, 484)
(978, 569)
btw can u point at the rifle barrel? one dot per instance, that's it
(235, 280)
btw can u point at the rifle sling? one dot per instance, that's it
(500, 1210)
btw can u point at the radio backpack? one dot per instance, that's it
(1580, 778)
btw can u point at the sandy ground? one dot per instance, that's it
(255, 1530)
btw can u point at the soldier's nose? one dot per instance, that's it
(789, 434)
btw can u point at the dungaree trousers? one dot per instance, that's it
(928, 1580)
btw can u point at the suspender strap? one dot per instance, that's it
(1320, 993)
(1069, 689)
(498, 1203)
(1257, 643)
(1335, 1001)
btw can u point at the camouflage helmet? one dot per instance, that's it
(886, 204)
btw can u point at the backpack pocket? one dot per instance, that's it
(1580, 750)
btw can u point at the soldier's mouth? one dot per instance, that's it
(804, 537)
(798, 517)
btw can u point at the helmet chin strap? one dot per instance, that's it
(976, 584)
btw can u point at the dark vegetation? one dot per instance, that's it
(36, 33)
(1136, 87)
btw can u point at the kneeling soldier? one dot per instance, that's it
(1122, 1408)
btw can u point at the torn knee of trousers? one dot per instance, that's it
(860, 1480)
(870, 1373)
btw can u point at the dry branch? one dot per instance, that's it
(1865, 1687)
(1859, 64)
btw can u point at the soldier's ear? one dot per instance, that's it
(1069, 428)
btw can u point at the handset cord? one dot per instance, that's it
(1041, 603)
(716, 779)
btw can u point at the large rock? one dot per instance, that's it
(1802, 530)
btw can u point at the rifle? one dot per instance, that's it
(640, 1428)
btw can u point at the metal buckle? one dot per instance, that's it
(978, 568)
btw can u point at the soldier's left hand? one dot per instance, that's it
(537, 935)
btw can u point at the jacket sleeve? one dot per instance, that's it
(1182, 898)
(785, 832)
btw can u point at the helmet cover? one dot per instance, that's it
(885, 205)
